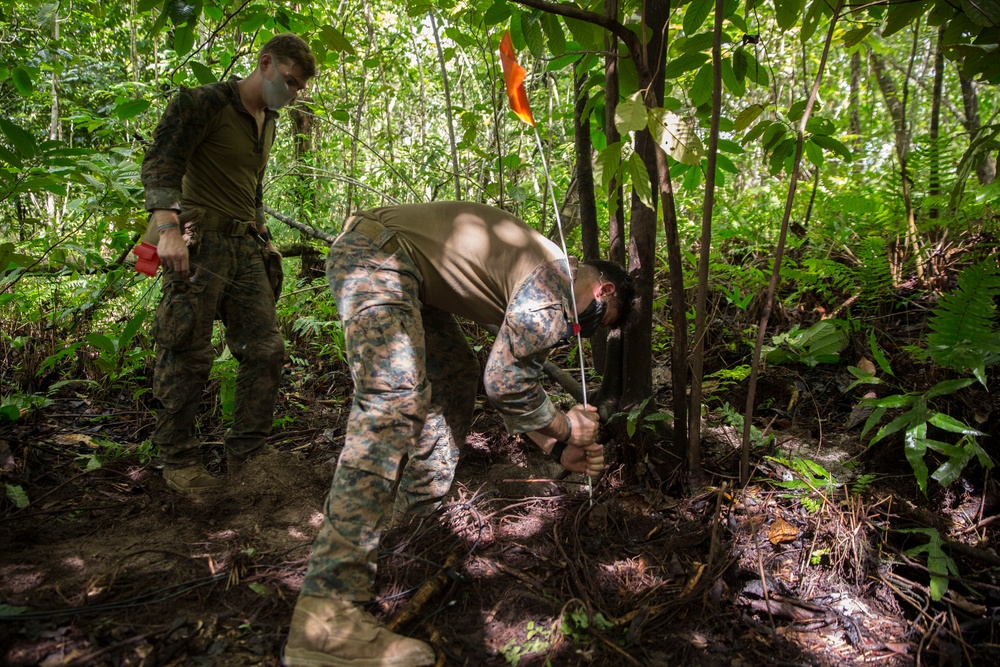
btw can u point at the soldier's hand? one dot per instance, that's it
(588, 460)
(171, 248)
(584, 423)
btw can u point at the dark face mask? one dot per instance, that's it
(591, 318)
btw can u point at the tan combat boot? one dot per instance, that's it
(192, 479)
(332, 632)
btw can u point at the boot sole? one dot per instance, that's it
(302, 658)
(194, 489)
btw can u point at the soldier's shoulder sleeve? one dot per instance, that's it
(181, 128)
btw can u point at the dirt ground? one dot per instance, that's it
(106, 566)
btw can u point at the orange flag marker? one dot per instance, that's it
(514, 75)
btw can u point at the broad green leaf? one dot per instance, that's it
(22, 141)
(733, 85)
(146, 5)
(631, 115)
(184, 38)
(554, 35)
(725, 164)
(335, 40)
(854, 36)
(695, 15)
(758, 130)
(740, 63)
(756, 72)
(700, 42)
(820, 125)
(831, 144)
(516, 28)
(787, 12)
(729, 146)
(22, 81)
(534, 38)
(982, 12)
(747, 116)
(675, 136)
(811, 20)
(202, 72)
(17, 495)
(259, 588)
(701, 89)
(814, 153)
(948, 387)
(102, 343)
(608, 163)
(640, 179)
(915, 447)
(131, 109)
(894, 401)
(498, 12)
(684, 63)
(902, 14)
(949, 423)
(879, 355)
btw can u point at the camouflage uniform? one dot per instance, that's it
(415, 380)
(208, 158)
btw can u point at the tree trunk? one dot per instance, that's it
(934, 178)
(897, 110)
(695, 475)
(986, 170)
(447, 110)
(854, 104)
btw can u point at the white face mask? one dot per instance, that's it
(276, 91)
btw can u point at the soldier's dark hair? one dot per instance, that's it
(290, 47)
(618, 276)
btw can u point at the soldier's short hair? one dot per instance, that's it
(624, 288)
(290, 47)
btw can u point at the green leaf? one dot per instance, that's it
(946, 387)
(787, 12)
(498, 12)
(833, 145)
(894, 401)
(640, 179)
(949, 423)
(533, 37)
(684, 63)
(733, 85)
(915, 447)
(202, 72)
(814, 153)
(879, 355)
(675, 136)
(731, 147)
(554, 35)
(740, 63)
(747, 116)
(854, 36)
(902, 14)
(102, 343)
(259, 588)
(758, 130)
(184, 38)
(22, 141)
(131, 109)
(631, 115)
(819, 125)
(22, 81)
(335, 40)
(607, 164)
(701, 89)
(17, 495)
(696, 14)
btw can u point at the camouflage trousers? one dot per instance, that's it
(415, 380)
(228, 282)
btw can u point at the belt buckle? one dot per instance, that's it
(239, 227)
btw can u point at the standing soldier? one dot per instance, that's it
(203, 182)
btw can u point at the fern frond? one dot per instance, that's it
(963, 329)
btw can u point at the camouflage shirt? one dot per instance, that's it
(207, 152)
(486, 265)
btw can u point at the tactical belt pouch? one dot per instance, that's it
(374, 230)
